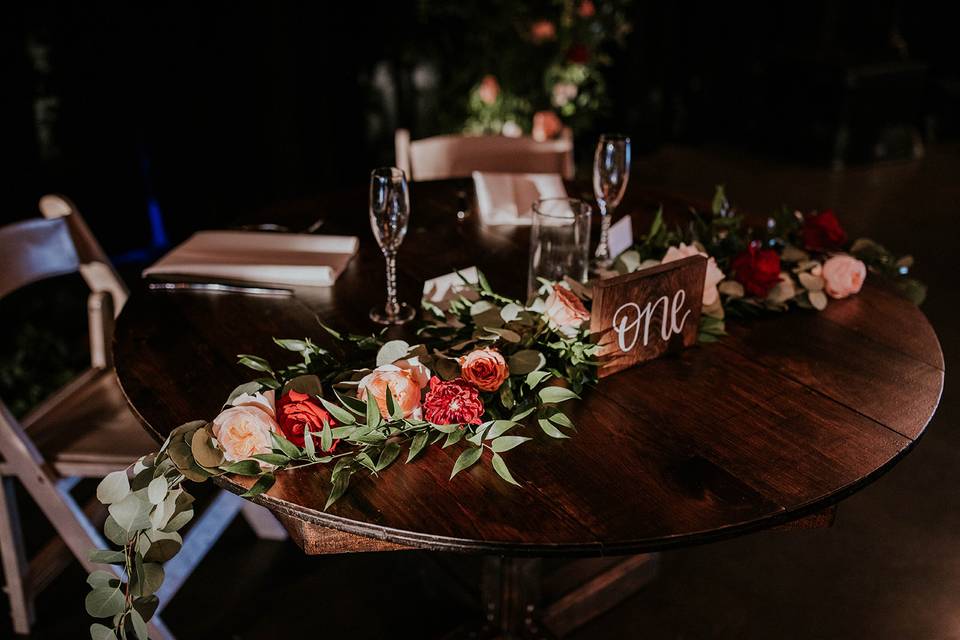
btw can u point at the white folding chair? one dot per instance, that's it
(457, 156)
(83, 430)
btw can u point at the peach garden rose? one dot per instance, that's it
(564, 311)
(843, 276)
(484, 368)
(402, 384)
(243, 429)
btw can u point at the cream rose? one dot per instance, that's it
(843, 275)
(564, 311)
(714, 275)
(244, 431)
(402, 384)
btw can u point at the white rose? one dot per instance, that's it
(714, 275)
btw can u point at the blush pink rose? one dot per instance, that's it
(564, 311)
(714, 275)
(484, 368)
(843, 276)
(402, 384)
(546, 126)
(489, 89)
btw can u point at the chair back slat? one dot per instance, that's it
(33, 250)
(455, 156)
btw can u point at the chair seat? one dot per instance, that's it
(87, 428)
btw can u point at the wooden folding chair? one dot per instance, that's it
(457, 156)
(83, 430)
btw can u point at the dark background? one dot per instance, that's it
(197, 113)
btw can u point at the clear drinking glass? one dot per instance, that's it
(389, 215)
(611, 171)
(559, 240)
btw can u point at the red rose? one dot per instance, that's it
(822, 232)
(295, 412)
(578, 54)
(452, 402)
(757, 269)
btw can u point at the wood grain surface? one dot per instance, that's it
(786, 416)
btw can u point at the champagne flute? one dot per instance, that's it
(389, 215)
(611, 171)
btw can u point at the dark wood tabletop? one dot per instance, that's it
(787, 415)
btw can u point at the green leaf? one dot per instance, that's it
(507, 334)
(445, 428)
(352, 404)
(550, 430)
(289, 449)
(517, 417)
(505, 443)
(339, 414)
(298, 346)
(251, 468)
(247, 388)
(308, 384)
(113, 488)
(506, 397)
(553, 395)
(453, 437)
(326, 436)
(419, 441)
(526, 362)
(501, 468)
(149, 582)
(133, 512)
(204, 451)
(157, 490)
(499, 427)
(536, 377)
(560, 418)
(393, 409)
(340, 483)
(392, 351)
(178, 521)
(373, 412)
(466, 459)
(139, 626)
(267, 382)
(388, 455)
(105, 602)
(146, 606)
(103, 579)
(254, 362)
(510, 312)
(107, 556)
(162, 545)
(262, 485)
(100, 632)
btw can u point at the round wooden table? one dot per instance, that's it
(784, 417)
(769, 427)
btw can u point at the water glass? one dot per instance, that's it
(559, 241)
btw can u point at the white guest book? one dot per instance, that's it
(507, 198)
(258, 257)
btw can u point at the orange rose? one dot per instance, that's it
(546, 125)
(564, 311)
(402, 384)
(484, 368)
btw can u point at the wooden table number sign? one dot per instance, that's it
(642, 315)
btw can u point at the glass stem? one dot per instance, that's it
(603, 249)
(392, 308)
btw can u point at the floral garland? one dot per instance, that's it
(797, 259)
(487, 365)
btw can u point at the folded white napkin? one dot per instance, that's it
(507, 198)
(263, 258)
